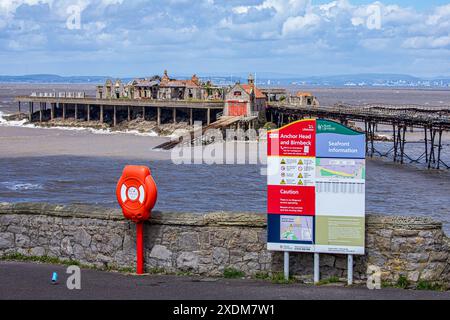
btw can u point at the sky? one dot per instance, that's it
(128, 38)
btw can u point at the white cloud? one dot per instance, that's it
(427, 42)
(301, 24)
(245, 29)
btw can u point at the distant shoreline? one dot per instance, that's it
(306, 86)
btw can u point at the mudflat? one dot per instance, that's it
(33, 142)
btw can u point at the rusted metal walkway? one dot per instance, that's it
(194, 135)
(433, 121)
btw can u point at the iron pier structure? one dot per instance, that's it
(434, 122)
(113, 111)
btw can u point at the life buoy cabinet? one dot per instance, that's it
(136, 193)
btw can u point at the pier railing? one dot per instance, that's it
(196, 104)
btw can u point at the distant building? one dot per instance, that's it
(304, 99)
(244, 99)
(143, 88)
(275, 94)
(157, 88)
(172, 89)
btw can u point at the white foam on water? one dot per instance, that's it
(15, 186)
(25, 124)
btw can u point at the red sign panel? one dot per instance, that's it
(291, 200)
(297, 140)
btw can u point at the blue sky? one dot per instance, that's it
(128, 38)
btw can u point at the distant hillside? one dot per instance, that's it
(51, 78)
(263, 78)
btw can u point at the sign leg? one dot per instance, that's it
(286, 265)
(350, 270)
(140, 248)
(316, 268)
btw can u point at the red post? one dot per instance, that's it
(140, 248)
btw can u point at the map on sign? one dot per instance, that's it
(296, 228)
(340, 169)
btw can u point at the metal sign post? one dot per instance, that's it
(350, 270)
(316, 268)
(286, 265)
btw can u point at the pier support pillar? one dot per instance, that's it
(158, 116)
(208, 116)
(52, 111)
(88, 112)
(174, 114)
(19, 107)
(40, 111)
(439, 149)
(143, 113)
(64, 111)
(129, 114)
(76, 111)
(426, 144)
(101, 114)
(191, 117)
(115, 116)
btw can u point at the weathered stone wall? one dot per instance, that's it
(207, 244)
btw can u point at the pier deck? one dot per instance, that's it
(113, 110)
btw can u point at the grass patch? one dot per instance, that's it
(156, 270)
(43, 259)
(329, 280)
(261, 276)
(427, 285)
(402, 282)
(278, 278)
(231, 273)
(63, 262)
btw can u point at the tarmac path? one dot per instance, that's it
(30, 281)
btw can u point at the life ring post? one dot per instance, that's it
(140, 248)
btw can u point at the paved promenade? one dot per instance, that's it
(32, 281)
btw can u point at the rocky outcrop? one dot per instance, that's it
(206, 244)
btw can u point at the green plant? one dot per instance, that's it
(156, 270)
(333, 279)
(270, 126)
(231, 273)
(261, 276)
(64, 262)
(402, 282)
(427, 285)
(43, 259)
(278, 278)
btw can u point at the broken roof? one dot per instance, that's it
(248, 88)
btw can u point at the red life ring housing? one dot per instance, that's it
(136, 192)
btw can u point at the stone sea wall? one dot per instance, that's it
(206, 244)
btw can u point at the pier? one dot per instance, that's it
(433, 121)
(113, 111)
